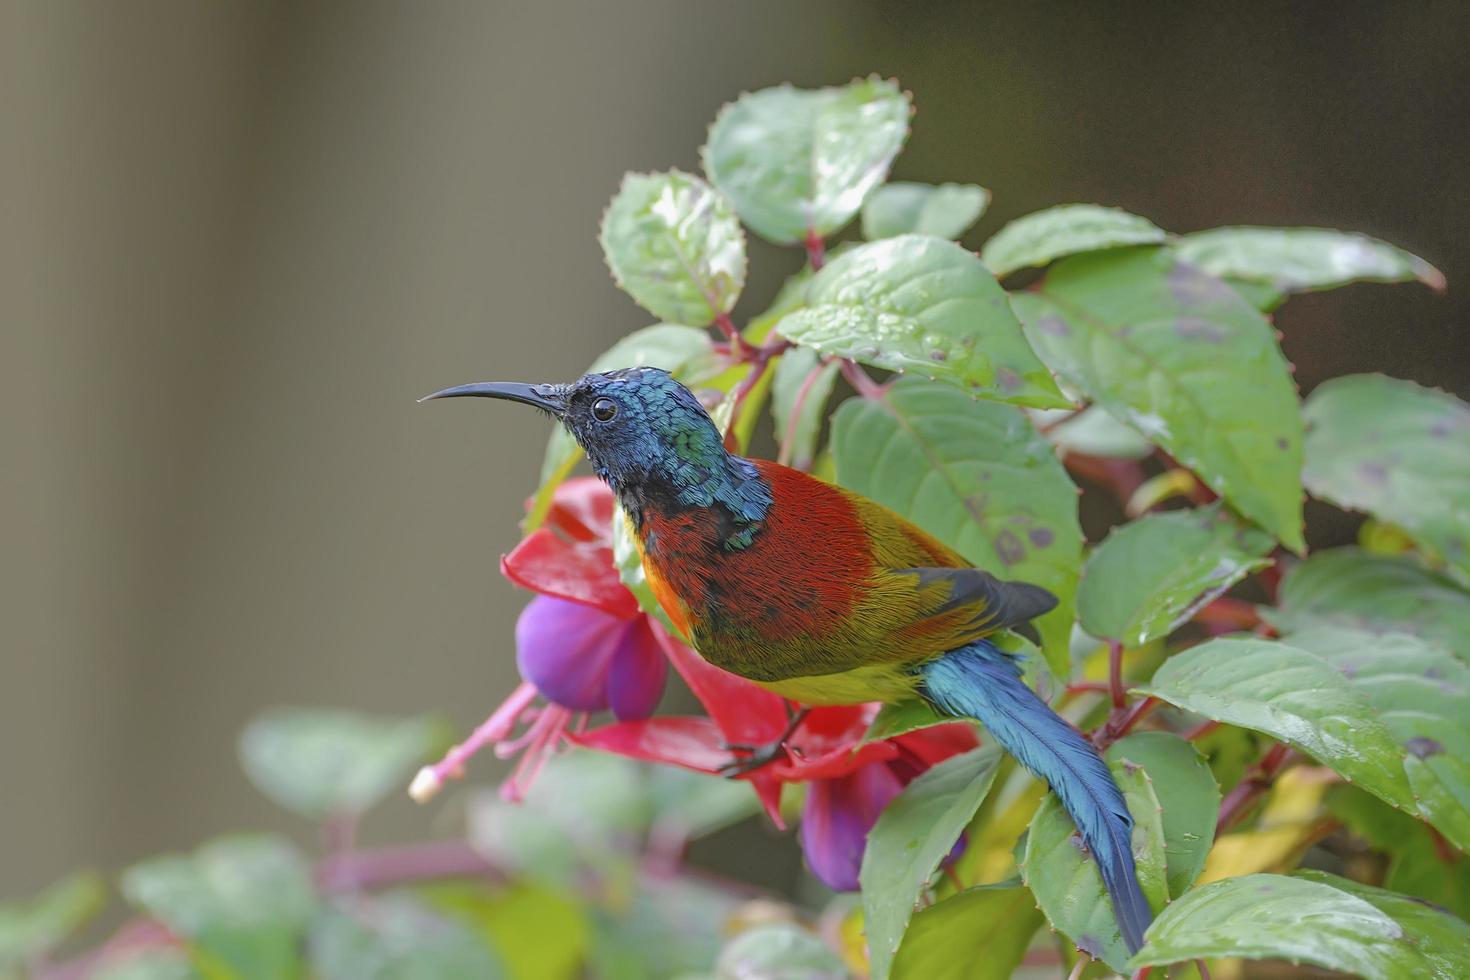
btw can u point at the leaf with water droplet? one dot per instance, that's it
(926, 305)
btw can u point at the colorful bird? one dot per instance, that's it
(824, 596)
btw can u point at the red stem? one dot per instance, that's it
(399, 865)
(1252, 787)
(1115, 673)
(860, 381)
(1200, 731)
(816, 250)
(797, 405)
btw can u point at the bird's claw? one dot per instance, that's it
(756, 756)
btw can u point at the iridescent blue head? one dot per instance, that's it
(647, 436)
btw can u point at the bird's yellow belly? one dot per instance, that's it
(875, 682)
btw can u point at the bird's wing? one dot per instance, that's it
(943, 608)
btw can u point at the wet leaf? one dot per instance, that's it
(674, 245)
(924, 305)
(1064, 878)
(1422, 693)
(320, 763)
(794, 160)
(912, 836)
(1298, 259)
(978, 477)
(1291, 695)
(1149, 576)
(1397, 451)
(1044, 236)
(978, 934)
(944, 211)
(1378, 593)
(1311, 918)
(1183, 359)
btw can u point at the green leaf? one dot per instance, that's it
(1397, 451)
(902, 717)
(1422, 693)
(799, 394)
(1297, 259)
(1416, 863)
(1151, 575)
(321, 763)
(914, 833)
(1067, 229)
(978, 934)
(1183, 359)
(537, 932)
(666, 926)
(663, 345)
(925, 305)
(1312, 918)
(1092, 432)
(795, 161)
(1291, 695)
(778, 951)
(240, 901)
(674, 245)
(1188, 795)
(944, 211)
(691, 804)
(977, 476)
(1349, 587)
(396, 937)
(31, 929)
(1065, 879)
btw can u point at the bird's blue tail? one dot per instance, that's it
(982, 682)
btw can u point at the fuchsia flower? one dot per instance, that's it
(582, 644)
(849, 781)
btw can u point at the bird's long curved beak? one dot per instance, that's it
(546, 397)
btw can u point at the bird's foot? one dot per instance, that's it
(756, 756)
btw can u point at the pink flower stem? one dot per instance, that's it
(797, 405)
(400, 865)
(494, 729)
(861, 383)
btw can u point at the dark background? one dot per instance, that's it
(238, 240)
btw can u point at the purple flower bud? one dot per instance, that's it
(588, 660)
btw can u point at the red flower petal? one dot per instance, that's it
(578, 572)
(840, 761)
(582, 508)
(691, 742)
(745, 712)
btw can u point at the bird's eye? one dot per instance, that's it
(604, 409)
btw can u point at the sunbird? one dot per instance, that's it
(824, 596)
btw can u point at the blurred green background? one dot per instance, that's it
(239, 239)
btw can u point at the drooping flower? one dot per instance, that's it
(582, 644)
(849, 781)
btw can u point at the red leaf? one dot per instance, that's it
(578, 572)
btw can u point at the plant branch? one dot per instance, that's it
(816, 250)
(1115, 674)
(861, 383)
(400, 865)
(1255, 784)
